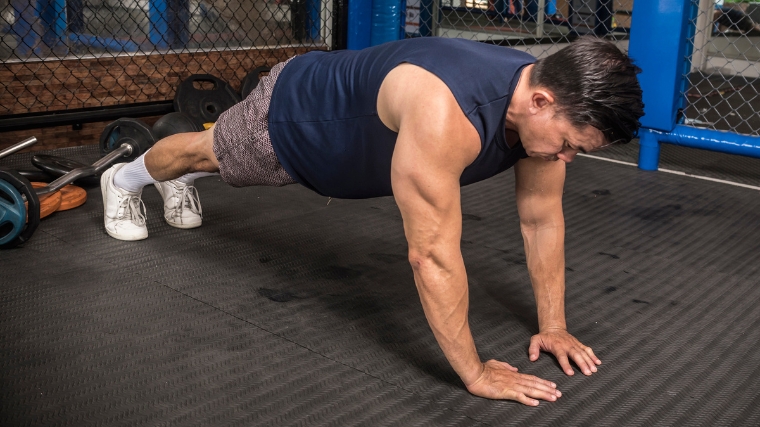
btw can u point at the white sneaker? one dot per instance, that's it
(182, 207)
(124, 211)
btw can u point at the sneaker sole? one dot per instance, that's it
(103, 191)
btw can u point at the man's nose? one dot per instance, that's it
(567, 154)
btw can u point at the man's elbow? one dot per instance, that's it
(420, 258)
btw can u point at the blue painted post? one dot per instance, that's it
(159, 27)
(359, 24)
(52, 15)
(387, 16)
(649, 150)
(658, 44)
(313, 8)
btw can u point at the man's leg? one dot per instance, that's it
(172, 164)
(181, 154)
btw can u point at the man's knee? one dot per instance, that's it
(202, 149)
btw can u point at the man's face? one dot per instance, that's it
(551, 137)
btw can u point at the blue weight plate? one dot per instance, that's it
(12, 213)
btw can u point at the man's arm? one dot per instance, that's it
(539, 187)
(434, 146)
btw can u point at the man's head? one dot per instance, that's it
(583, 97)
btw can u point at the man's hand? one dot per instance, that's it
(500, 380)
(564, 346)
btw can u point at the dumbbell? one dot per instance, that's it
(123, 140)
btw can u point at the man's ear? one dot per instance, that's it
(540, 99)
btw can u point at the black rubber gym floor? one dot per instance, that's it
(284, 309)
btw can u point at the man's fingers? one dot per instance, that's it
(584, 362)
(534, 349)
(565, 363)
(537, 393)
(525, 400)
(593, 357)
(535, 383)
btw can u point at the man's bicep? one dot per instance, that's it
(539, 185)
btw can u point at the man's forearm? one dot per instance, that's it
(444, 294)
(545, 253)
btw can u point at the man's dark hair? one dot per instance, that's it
(593, 83)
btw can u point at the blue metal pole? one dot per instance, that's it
(52, 15)
(659, 45)
(359, 24)
(649, 150)
(386, 19)
(713, 140)
(159, 27)
(314, 7)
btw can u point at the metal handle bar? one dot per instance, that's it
(74, 174)
(20, 146)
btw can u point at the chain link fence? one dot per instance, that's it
(539, 26)
(723, 82)
(72, 54)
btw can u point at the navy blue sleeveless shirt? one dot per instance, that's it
(323, 119)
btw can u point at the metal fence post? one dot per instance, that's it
(52, 15)
(159, 27)
(658, 44)
(359, 24)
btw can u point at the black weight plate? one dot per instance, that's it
(12, 235)
(35, 175)
(204, 105)
(127, 131)
(56, 166)
(252, 80)
(173, 123)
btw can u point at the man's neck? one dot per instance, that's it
(515, 109)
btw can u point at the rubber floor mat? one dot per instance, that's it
(287, 308)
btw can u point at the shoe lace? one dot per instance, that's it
(133, 209)
(188, 199)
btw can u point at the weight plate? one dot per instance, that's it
(72, 197)
(204, 105)
(56, 166)
(35, 175)
(127, 131)
(174, 123)
(252, 80)
(49, 203)
(13, 211)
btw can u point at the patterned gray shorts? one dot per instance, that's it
(241, 140)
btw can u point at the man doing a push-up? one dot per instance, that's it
(416, 119)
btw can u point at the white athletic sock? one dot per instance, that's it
(134, 176)
(190, 178)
